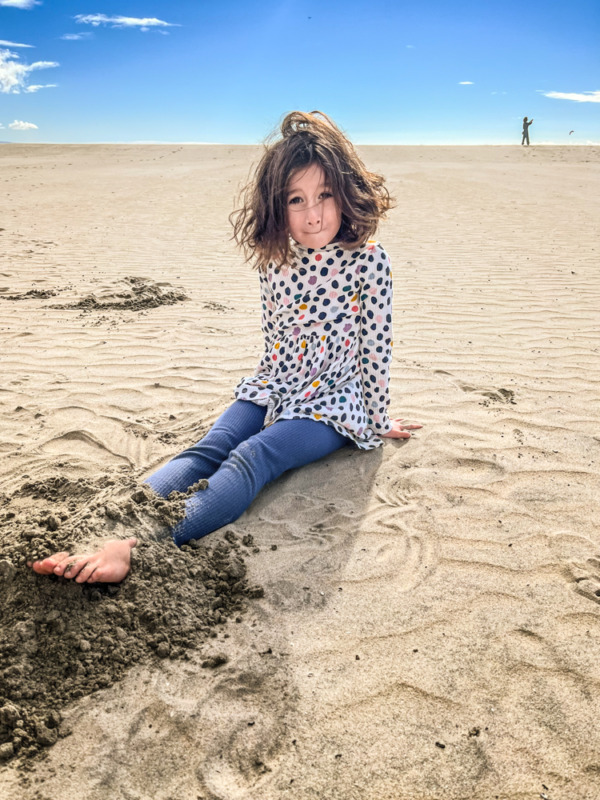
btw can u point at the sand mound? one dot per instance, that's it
(60, 640)
(132, 294)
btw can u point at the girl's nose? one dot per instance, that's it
(313, 214)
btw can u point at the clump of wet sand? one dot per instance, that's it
(60, 640)
(131, 293)
(134, 294)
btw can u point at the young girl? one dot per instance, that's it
(326, 298)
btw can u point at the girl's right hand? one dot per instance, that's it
(400, 430)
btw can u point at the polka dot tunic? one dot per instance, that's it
(327, 325)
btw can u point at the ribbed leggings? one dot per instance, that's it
(239, 457)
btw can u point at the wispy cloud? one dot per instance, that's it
(465, 83)
(18, 125)
(76, 37)
(13, 44)
(14, 76)
(38, 86)
(143, 23)
(20, 3)
(578, 97)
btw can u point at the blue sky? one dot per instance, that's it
(388, 71)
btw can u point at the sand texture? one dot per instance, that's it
(413, 623)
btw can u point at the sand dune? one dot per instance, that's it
(431, 610)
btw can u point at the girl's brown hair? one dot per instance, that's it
(260, 225)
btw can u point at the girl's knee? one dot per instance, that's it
(257, 461)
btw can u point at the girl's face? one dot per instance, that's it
(313, 215)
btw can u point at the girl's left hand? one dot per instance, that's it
(400, 430)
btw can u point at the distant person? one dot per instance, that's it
(322, 381)
(526, 125)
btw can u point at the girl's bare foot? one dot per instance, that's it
(109, 564)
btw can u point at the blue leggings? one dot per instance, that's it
(239, 457)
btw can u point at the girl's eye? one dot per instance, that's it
(294, 200)
(326, 195)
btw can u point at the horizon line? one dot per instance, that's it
(145, 143)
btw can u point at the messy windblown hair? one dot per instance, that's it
(260, 225)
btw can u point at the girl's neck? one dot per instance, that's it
(298, 248)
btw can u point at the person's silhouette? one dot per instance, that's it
(526, 125)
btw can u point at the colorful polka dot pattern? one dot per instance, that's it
(327, 325)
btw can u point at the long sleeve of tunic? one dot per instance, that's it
(375, 339)
(266, 324)
(327, 326)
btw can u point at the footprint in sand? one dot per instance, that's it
(247, 745)
(398, 545)
(398, 492)
(406, 560)
(489, 393)
(475, 471)
(587, 579)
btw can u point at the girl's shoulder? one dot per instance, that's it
(374, 251)
(374, 246)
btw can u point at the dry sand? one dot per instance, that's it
(430, 621)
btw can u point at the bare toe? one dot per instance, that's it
(87, 572)
(46, 565)
(71, 567)
(62, 561)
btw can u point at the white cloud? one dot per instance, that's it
(20, 3)
(578, 97)
(14, 75)
(465, 83)
(18, 125)
(143, 23)
(37, 87)
(13, 44)
(75, 37)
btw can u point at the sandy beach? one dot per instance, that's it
(430, 611)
